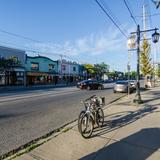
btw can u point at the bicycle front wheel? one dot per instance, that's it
(100, 117)
(79, 119)
(86, 126)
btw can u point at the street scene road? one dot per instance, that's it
(56, 54)
(27, 115)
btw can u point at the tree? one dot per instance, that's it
(89, 69)
(8, 63)
(145, 60)
(101, 69)
(157, 72)
(133, 74)
(113, 75)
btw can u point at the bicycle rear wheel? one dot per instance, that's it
(86, 126)
(100, 117)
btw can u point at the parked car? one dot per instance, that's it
(122, 86)
(109, 81)
(133, 83)
(90, 84)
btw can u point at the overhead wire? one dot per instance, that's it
(111, 18)
(37, 52)
(18, 35)
(29, 49)
(131, 14)
(112, 14)
(110, 11)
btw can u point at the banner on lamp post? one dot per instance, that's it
(131, 43)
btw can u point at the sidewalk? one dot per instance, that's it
(130, 132)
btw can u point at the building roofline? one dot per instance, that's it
(35, 57)
(11, 48)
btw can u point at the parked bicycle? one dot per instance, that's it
(93, 114)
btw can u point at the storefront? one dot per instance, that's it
(15, 76)
(40, 78)
(41, 70)
(12, 70)
(2, 78)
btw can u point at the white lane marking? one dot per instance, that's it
(37, 94)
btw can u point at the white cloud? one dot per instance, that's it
(98, 43)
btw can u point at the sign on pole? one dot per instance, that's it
(131, 43)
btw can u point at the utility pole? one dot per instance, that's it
(128, 68)
(144, 21)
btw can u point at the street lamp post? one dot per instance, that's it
(138, 95)
(155, 38)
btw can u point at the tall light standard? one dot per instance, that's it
(155, 38)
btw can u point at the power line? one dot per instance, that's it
(38, 52)
(110, 18)
(29, 50)
(20, 36)
(112, 14)
(110, 11)
(130, 12)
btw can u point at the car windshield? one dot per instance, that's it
(121, 82)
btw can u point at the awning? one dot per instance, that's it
(39, 74)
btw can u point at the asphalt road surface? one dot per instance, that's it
(27, 115)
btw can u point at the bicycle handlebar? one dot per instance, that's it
(90, 97)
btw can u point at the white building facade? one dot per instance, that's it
(68, 71)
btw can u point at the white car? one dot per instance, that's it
(122, 86)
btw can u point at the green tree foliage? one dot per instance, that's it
(133, 74)
(101, 69)
(113, 75)
(97, 70)
(145, 60)
(157, 72)
(7, 63)
(89, 68)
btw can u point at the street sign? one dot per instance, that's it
(131, 43)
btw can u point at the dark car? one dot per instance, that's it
(90, 84)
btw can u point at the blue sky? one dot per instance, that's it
(76, 28)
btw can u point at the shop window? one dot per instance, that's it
(14, 58)
(18, 73)
(35, 66)
(2, 80)
(22, 74)
(74, 69)
(51, 67)
(63, 67)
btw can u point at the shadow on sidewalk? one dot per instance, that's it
(138, 146)
(120, 119)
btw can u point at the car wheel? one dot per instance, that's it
(114, 91)
(99, 88)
